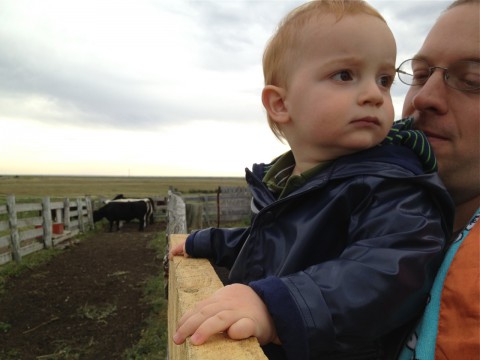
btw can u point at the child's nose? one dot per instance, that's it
(370, 94)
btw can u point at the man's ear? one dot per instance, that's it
(273, 99)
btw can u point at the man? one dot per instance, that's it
(445, 102)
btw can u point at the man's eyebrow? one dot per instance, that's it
(468, 58)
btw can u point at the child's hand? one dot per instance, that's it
(178, 249)
(236, 309)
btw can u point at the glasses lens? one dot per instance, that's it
(464, 75)
(413, 72)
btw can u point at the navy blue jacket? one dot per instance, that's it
(344, 260)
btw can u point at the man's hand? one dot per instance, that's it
(235, 309)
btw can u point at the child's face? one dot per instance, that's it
(338, 95)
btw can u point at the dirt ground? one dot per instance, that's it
(86, 303)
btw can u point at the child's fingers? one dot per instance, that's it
(202, 310)
(215, 324)
(176, 250)
(236, 309)
(242, 329)
(192, 319)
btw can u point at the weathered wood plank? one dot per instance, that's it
(191, 280)
(66, 214)
(14, 237)
(176, 214)
(28, 207)
(56, 205)
(65, 236)
(47, 222)
(31, 248)
(33, 221)
(31, 234)
(4, 225)
(81, 225)
(4, 241)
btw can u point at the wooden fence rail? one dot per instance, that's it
(34, 226)
(189, 281)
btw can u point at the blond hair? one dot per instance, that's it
(281, 48)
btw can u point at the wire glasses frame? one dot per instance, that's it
(462, 75)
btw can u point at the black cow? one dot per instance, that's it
(115, 211)
(149, 219)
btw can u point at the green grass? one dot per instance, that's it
(153, 342)
(97, 313)
(4, 327)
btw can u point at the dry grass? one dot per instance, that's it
(28, 187)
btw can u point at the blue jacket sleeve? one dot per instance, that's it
(285, 314)
(221, 245)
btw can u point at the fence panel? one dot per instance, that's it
(34, 226)
(229, 205)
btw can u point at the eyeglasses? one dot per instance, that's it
(462, 75)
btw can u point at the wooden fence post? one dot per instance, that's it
(88, 200)
(66, 213)
(81, 225)
(176, 214)
(47, 222)
(14, 236)
(58, 216)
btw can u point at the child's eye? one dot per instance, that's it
(343, 75)
(385, 81)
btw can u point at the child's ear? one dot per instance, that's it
(273, 99)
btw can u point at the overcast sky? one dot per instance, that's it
(149, 87)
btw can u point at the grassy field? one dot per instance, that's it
(29, 187)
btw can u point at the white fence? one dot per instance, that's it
(26, 228)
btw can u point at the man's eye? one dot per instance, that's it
(343, 75)
(385, 81)
(466, 81)
(420, 76)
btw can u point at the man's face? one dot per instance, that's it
(449, 117)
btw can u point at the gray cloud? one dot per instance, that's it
(160, 65)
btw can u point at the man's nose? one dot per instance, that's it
(431, 96)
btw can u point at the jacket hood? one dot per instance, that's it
(389, 161)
